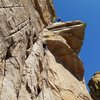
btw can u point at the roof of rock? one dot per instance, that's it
(72, 31)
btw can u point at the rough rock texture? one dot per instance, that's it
(67, 39)
(94, 85)
(39, 59)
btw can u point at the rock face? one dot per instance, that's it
(67, 39)
(94, 85)
(39, 59)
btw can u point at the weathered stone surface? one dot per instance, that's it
(94, 85)
(63, 53)
(38, 61)
(72, 32)
(63, 84)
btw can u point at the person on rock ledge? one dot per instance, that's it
(59, 19)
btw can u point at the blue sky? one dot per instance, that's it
(89, 12)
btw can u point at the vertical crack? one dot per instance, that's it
(38, 8)
(28, 88)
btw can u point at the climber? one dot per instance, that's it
(44, 45)
(59, 19)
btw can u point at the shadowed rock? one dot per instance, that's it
(94, 85)
(72, 32)
(65, 40)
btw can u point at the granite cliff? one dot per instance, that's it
(38, 58)
(94, 85)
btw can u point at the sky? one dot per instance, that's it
(87, 11)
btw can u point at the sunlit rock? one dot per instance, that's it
(38, 58)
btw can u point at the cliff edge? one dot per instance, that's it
(38, 58)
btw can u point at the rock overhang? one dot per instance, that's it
(73, 32)
(64, 40)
